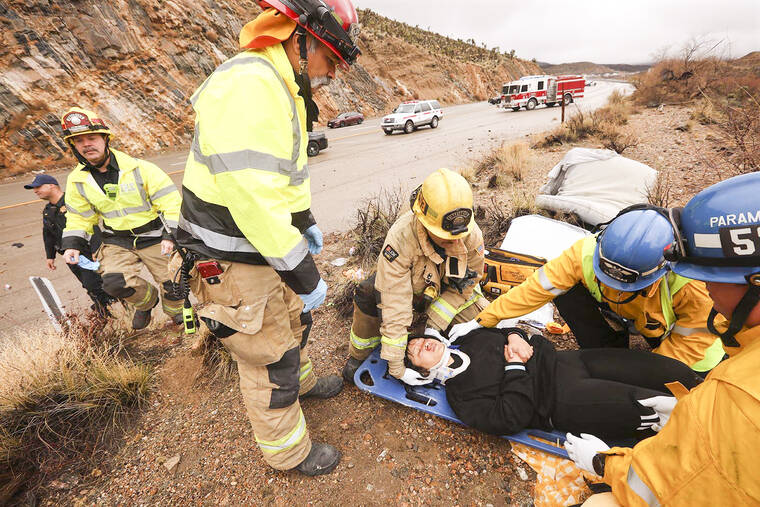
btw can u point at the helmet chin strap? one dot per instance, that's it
(442, 371)
(738, 317)
(626, 300)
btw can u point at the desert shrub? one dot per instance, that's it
(343, 298)
(373, 220)
(704, 113)
(495, 217)
(59, 399)
(613, 139)
(658, 193)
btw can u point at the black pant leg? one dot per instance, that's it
(584, 316)
(637, 368)
(604, 408)
(93, 284)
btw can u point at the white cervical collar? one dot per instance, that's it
(442, 371)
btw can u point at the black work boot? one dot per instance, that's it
(326, 387)
(141, 319)
(350, 369)
(322, 459)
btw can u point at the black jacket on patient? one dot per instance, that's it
(492, 399)
(592, 391)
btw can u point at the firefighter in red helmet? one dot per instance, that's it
(246, 216)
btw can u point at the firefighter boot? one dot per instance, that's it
(326, 387)
(141, 318)
(322, 459)
(350, 369)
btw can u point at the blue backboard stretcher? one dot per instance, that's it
(432, 400)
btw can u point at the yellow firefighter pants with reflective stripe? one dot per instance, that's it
(115, 260)
(441, 313)
(273, 369)
(365, 334)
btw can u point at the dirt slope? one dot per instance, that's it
(138, 61)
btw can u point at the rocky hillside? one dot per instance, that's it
(138, 61)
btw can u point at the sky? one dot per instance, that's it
(601, 31)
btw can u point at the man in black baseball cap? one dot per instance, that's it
(53, 222)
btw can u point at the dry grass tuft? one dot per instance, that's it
(373, 220)
(217, 364)
(343, 299)
(508, 162)
(469, 173)
(60, 396)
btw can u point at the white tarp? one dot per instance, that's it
(595, 184)
(542, 237)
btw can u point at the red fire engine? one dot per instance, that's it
(530, 91)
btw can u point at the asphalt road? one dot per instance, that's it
(359, 162)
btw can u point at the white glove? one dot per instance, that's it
(413, 378)
(459, 330)
(662, 406)
(583, 449)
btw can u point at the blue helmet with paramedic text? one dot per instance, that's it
(719, 242)
(719, 237)
(629, 251)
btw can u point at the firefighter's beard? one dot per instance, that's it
(319, 82)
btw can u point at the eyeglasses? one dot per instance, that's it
(622, 273)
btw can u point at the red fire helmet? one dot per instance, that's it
(333, 22)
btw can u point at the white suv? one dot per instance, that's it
(412, 114)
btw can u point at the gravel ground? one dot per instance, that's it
(194, 445)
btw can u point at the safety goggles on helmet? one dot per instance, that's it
(322, 21)
(622, 273)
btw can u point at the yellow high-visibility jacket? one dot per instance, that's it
(409, 263)
(674, 310)
(706, 454)
(246, 193)
(144, 190)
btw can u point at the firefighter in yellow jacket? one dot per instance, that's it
(706, 454)
(127, 194)
(432, 260)
(246, 216)
(619, 273)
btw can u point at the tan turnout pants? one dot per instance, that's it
(120, 269)
(269, 348)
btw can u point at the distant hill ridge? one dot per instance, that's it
(590, 68)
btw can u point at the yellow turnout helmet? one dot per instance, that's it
(444, 205)
(76, 122)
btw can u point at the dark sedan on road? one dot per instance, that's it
(317, 143)
(343, 119)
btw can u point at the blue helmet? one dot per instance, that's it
(629, 251)
(720, 232)
(719, 241)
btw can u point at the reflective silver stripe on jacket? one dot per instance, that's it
(86, 214)
(76, 234)
(158, 194)
(226, 243)
(216, 240)
(250, 159)
(146, 206)
(641, 489)
(687, 331)
(514, 367)
(547, 285)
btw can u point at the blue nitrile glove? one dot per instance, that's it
(314, 238)
(87, 264)
(315, 298)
